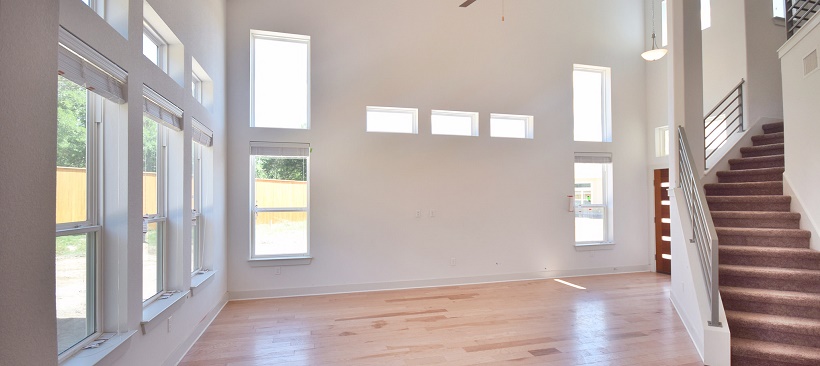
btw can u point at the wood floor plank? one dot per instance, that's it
(617, 320)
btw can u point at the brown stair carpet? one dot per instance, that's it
(769, 278)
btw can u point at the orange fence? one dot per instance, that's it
(274, 193)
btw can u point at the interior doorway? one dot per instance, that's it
(663, 240)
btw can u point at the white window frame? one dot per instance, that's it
(705, 14)
(779, 9)
(664, 24)
(161, 217)
(605, 159)
(412, 112)
(606, 99)
(196, 216)
(196, 87)
(473, 121)
(92, 224)
(254, 210)
(162, 45)
(527, 120)
(281, 37)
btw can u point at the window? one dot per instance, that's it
(154, 47)
(392, 120)
(280, 212)
(705, 14)
(591, 103)
(154, 185)
(196, 87)
(662, 141)
(454, 123)
(593, 205)
(280, 80)
(511, 126)
(664, 25)
(79, 229)
(779, 9)
(196, 207)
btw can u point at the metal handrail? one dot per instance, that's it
(798, 13)
(731, 122)
(704, 235)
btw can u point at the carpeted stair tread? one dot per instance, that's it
(769, 272)
(789, 324)
(800, 258)
(763, 150)
(744, 189)
(757, 162)
(771, 301)
(776, 353)
(749, 203)
(751, 175)
(774, 127)
(764, 237)
(756, 219)
(768, 138)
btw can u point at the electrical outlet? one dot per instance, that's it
(452, 262)
(277, 270)
(169, 324)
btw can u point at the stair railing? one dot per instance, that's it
(798, 13)
(723, 120)
(704, 235)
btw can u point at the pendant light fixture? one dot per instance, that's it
(655, 53)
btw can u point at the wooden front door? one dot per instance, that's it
(663, 250)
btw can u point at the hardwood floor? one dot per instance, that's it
(623, 319)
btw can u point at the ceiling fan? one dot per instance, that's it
(467, 3)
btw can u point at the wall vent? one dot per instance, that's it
(810, 63)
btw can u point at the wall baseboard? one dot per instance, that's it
(684, 317)
(404, 285)
(176, 357)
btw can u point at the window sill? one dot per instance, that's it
(281, 261)
(160, 310)
(586, 247)
(779, 21)
(93, 356)
(200, 279)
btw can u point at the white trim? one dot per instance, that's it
(473, 121)
(282, 37)
(606, 98)
(85, 51)
(93, 356)
(161, 101)
(439, 282)
(200, 278)
(797, 37)
(176, 357)
(527, 120)
(280, 261)
(412, 112)
(161, 309)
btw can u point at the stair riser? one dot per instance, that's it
(772, 129)
(757, 223)
(763, 241)
(744, 191)
(795, 261)
(750, 178)
(800, 285)
(772, 335)
(749, 361)
(767, 141)
(740, 304)
(749, 206)
(756, 153)
(757, 165)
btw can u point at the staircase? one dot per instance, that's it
(769, 278)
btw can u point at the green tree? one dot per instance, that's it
(281, 168)
(72, 136)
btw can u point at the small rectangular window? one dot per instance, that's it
(662, 141)
(593, 205)
(591, 103)
(511, 126)
(779, 9)
(154, 47)
(664, 25)
(392, 120)
(280, 80)
(454, 123)
(280, 225)
(196, 87)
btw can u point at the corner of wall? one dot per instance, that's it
(807, 222)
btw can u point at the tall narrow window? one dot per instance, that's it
(280, 80)
(196, 87)
(591, 103)
(154, 183)
(154, 47)
(705, 14)
(593, 204)
(664, 25)
(280, 200)
(196, 207)
(779, 9)
(78, 224)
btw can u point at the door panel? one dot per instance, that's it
(663, 250)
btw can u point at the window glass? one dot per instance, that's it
(592, 202)
(281, 206)
(281, 81)
(153, 203)
(151, 261)
(392, 120)
(510, 126)
(590, 88)
(150, 48)
(454, 123)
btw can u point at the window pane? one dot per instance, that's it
(589, 224)
(280, 233)
(195, 245)
(150, 49)
(453, 124)
(150, 139)
(280, 83)
(391, 121)
(281, 182)
(508, 127)
(75, 289)
(152, 260)
(588, 105)
(665, 25)
(72, 142)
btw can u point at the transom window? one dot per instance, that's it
(454, 123)
(280, 80)
(511, 126)
(392, 120)
(154, 47)
(591, 103)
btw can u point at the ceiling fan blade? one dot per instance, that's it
(467, 3)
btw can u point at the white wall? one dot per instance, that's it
(29, 30)
(501, 203)
(801, 109)
(724, 50)
(28, 38)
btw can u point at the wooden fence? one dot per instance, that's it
(274, 193)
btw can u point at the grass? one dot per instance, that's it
(71, 245)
